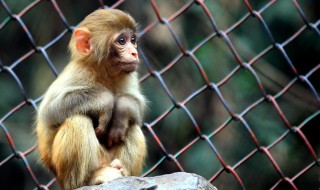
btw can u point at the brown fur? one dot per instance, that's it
(94, 86)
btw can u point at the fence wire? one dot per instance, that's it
(17, 159)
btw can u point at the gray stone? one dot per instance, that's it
(175, 181)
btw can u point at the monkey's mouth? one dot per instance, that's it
(129, 67)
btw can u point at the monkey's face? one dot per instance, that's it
(124, 51)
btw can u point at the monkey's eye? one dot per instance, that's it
(122, 40)
(133, 40)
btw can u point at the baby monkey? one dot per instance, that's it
(88, 124)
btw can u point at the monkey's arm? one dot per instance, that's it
(128, 111)
(61, 104)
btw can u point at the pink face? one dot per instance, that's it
(126, 53)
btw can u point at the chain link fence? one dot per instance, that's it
(233, 87)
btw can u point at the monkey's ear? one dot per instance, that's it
(83, 41)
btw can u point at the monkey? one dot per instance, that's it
(88, 124)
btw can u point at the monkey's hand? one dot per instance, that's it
(126, 113)
(101, 125)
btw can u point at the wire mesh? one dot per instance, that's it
(204, 150)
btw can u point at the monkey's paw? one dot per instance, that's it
(109, 173)
(116, 135)
(116, 164)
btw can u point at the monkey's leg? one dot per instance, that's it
(76, 152)
(133, 152)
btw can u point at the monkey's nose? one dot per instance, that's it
(134, 54)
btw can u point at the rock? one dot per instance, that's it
(175, 181)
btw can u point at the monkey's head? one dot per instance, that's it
(106, 38)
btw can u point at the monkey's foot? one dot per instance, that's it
(116, 164)
(109, 173)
